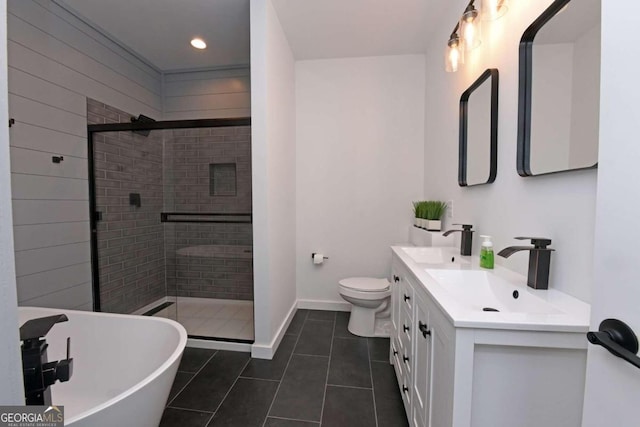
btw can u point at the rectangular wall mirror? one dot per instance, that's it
(559, 89)
(478, 135)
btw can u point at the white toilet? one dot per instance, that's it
(370, 300)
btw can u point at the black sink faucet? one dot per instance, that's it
(539, 260)
(465, 241)
(37, 371)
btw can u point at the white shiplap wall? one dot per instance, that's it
(55, 62)
(207, 94)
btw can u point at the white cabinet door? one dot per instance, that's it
(442, 336)
(422, 364)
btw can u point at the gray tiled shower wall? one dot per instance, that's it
(130, 239)
(142, 259)
(208, 260)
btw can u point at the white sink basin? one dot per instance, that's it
(478, 290)
(431, 255)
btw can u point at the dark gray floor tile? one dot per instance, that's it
(281, 422)
(296, 323)
(379, 349)
(315, 338)
(342, 321)
(349, 364)
(246, 405)
(181, 379)
(211, 384)
(181, 418)
(389, 406)
(322, 315)
(272, 369)
(302, 389)
(194, 358)
(348, 407)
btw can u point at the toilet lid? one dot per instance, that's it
(365, 284)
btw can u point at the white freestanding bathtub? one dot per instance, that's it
(123, 369)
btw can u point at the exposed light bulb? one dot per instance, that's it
(470, 28)
(454, 54)
(198, 43)
(494, 9)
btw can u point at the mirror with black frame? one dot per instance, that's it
(478, 135)
(559, 89)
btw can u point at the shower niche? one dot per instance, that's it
(184, 249)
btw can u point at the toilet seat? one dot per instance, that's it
(365, 284)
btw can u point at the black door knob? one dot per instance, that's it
(405, 358)
(396, 278)
(406, 328)
(406, 297)
(617, 337)
(405, 388)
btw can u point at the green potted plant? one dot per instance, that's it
(416, 213)
(422, 214)
(434, 212)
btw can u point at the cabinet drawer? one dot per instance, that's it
(406, 295)
(396, 357)
(405, 391)
(405, 331)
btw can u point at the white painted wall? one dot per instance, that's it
(360, 144)
(612, 385)
(274, 177)
(11, 388)
(207, 94)
(55, 62)
(561, 207)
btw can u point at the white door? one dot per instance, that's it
(612, 391)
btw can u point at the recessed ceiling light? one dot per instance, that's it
(198, 43)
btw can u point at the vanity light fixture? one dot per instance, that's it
(454, 53)
(467, 33)
(493, 9)
(198, 43)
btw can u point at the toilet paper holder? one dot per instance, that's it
(313, 254)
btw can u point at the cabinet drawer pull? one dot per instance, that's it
(424, 329)
(405, 388)
(395, 352)
(406, 297)
(396, 278)
(406, 328)
(405, 358)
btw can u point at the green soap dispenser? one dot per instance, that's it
(486, 252)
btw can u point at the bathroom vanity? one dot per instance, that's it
(473, 347)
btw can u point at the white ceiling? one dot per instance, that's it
(345, 28)
(160, 30)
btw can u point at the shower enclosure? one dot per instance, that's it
(171, 220)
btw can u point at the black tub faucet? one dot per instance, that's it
(465, 241)
(38, 372)
(539, 260)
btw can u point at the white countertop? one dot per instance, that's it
(572, 316)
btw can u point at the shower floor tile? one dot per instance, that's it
(213, 318)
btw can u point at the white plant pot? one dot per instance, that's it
(423, 223)
(416, 222)
(434, 225)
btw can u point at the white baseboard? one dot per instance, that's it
(312, 304)
(219, 345)
(268, 351)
